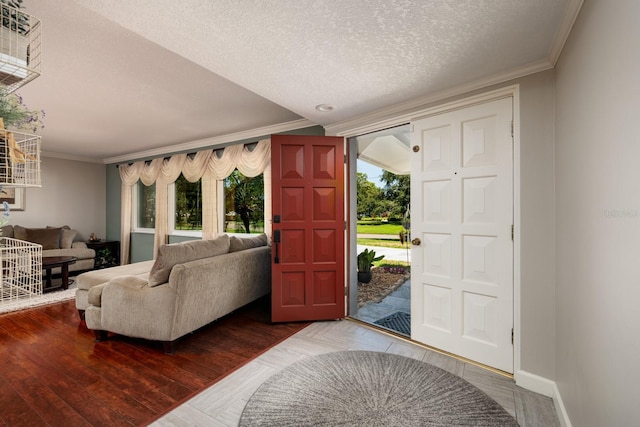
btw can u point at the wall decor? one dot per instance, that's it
(14, 196)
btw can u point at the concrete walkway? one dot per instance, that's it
(398, 300)
(379, 236)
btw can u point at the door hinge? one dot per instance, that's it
(345, 291)
(511, 335)
(345, 225)
(511, 128)
(512, 232)
(345, 159)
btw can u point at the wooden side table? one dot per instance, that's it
(107, 252)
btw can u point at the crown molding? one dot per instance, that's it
(65, 156)
(212, 141)
(570, 16)
(403, 112)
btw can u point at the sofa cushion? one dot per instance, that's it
(19, 232)
(49, 238)
(66, 238)
(241, 243)
(7, 231)
(79, 253)
(178, 253)
(90, 279)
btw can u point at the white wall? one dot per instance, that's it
(73, 193)
(598, 216)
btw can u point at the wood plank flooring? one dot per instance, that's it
(52, 372)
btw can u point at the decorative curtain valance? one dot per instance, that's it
(208, 165)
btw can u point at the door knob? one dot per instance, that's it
(416, 242)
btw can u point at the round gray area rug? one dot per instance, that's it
(364, 388)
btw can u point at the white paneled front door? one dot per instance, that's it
(462, 215)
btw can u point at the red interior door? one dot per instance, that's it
(308, 228)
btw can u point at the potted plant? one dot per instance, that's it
(16, 115)
(366, 259)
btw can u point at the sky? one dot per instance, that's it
(374, 173)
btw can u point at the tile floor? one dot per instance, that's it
(222, 403)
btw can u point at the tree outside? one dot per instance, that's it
(383, 211)
(389, 202)
(397, 189)
(368, 197)
(188, 204)
(244, 203)
(146, 205)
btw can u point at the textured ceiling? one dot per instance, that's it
(123, 77)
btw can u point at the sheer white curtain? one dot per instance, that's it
(208, 165)
(147, 172)
(129, 175)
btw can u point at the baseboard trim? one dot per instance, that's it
(547, 388)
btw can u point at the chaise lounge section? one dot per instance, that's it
(189, 285)
(88, 280)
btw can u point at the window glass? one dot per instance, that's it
(243, 203)
(146, 203)
(188, 209)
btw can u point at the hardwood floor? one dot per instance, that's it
(52, 372)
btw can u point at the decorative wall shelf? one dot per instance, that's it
(20, 47)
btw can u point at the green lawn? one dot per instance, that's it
(383, 228)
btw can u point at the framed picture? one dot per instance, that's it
(14, 196)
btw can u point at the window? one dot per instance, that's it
(188, 205)
(243, 204)
(241, 210)
(145, 200)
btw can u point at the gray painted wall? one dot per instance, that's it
(537, 225)
(72, 193)
(598, 216)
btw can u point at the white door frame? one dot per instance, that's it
(385, 121)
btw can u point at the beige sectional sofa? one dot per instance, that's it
(189, 285)
(56, 241)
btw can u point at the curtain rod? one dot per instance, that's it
(250, 146)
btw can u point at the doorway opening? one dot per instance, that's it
(383, 228)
